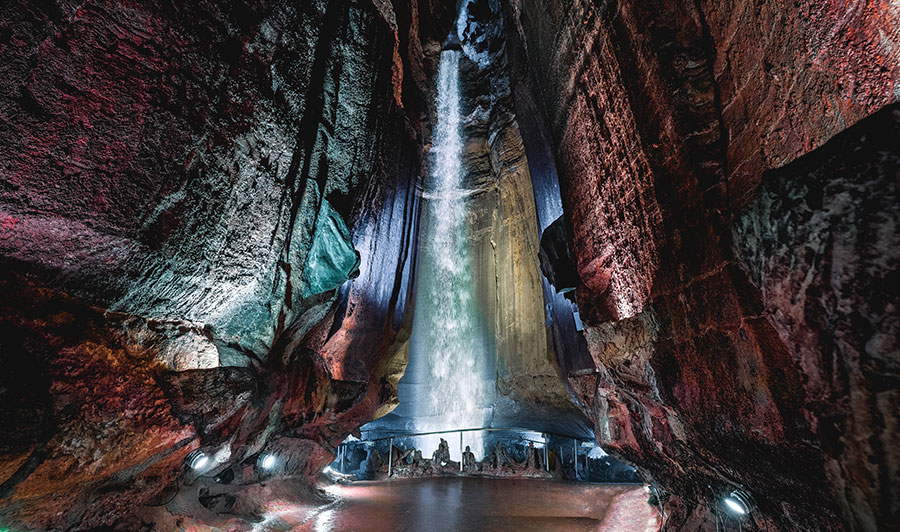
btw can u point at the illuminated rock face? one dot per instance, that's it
(505, 225)
(163, 169)
(735, 337)
(481, 352)
(161, 182)
(819, 240)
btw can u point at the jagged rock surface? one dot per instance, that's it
(505, 232)
(160, 183)
(663, 118)
(820, 241)
(163, 167)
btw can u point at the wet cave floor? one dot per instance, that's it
(472, 504)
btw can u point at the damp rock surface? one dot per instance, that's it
(725, 173)
(162, 179)
(723, 339)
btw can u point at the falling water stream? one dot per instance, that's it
(449, 383)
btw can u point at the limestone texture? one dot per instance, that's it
(506, 235)
(209, 221)
(735, 340)
(166, 170)
(820, 241)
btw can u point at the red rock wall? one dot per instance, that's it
(820, 240)
(166, 162)
(663, 118)
(791, 78)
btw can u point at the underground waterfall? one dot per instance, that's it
(449, 381)
(487, 265)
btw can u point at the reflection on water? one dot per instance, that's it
(451, 505)
(490, 505)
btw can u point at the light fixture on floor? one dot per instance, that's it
(267, 461)
(737, 503)
(198, 461)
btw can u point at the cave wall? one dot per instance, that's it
(161, 178)
(506, 234)
(663, 119)
(137, 122)
(814, 71)
(819, 239)
(570, 353)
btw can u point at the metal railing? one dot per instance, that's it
(390, 440)
(484, 429)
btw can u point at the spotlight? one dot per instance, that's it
(737, 503)
(267, 461)
(198, 460)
